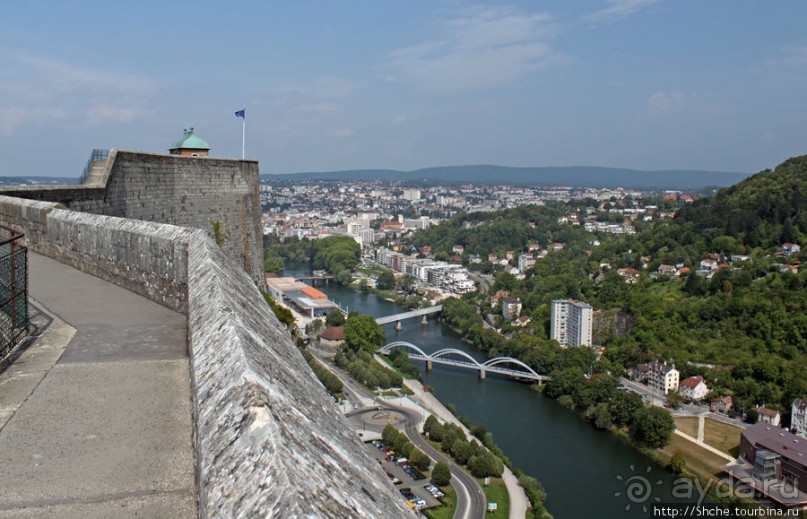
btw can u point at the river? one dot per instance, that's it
(586, 472)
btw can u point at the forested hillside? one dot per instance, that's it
(741, 323)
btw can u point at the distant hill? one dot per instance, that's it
(578, 176)
(37, 180)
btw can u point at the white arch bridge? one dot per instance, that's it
(458, 358)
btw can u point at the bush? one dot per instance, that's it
(419, 460)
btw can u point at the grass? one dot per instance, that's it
(687, 425)
(394, 368)
(446, 511)
(722, 436)
(496, 492)
(699, 461)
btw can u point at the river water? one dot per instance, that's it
(586, 473)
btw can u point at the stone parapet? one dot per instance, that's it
(268, 440)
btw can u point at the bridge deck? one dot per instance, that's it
(409, 315)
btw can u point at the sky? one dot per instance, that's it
(360, 84)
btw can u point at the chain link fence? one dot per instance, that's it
(14, 317)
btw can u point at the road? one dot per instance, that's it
(658, 400)
(471, 501)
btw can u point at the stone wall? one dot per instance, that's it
(200, 192)
(268, 439)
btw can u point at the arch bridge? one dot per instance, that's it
(453, 357)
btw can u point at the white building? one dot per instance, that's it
(798, 418)
(571, 322)
(660, 376)
(693, 388)
(525, 262)
(411, 194)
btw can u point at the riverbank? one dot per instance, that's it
(519, 504)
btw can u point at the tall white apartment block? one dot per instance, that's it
(571, 322)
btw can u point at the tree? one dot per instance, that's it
(419, 460)
(434, 428)
(335, 318)
(313, 327)
(602, 416)
(389, 434)
(485, 464)
(461, 451)
(386, 281)
(363, 333)
(677, 464)
(441, 475)
(652, 427)
(674, 399)
(273, 264)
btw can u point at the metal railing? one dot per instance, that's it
(13, 290)
(97, 154)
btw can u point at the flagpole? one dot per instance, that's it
(243, 132)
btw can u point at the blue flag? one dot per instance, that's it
(241, 113)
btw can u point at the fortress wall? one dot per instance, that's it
(268, 439)
(201, 193)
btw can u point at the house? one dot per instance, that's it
(693, 388)
(683, 270)
(798, 417)
(498, 296)
(558, 246)
(522, 321)
(790, 248)
(458, 249)
(630, 275)
(660, 376)
(511, 308)
(667, 270)
(708, 264)
(492, 256)
(769, 416)
(332, 337)
(722, 405)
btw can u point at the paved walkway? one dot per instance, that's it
(704, 445)
(95, 417)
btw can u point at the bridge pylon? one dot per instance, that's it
(425, 319)
(398, 326)
(482, 374)
(428, 365)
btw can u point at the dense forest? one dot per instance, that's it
(743, 327)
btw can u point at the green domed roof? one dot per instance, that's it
(189, 141)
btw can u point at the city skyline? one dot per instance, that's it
(644, 84)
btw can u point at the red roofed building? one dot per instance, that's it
(333, 336)
(693, 388)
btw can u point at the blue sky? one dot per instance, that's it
(328, 85)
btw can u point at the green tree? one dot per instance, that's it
(363, 333)
(419, 460)
(677, 464)
(674, 399)
(389, 434)
(273, 264)
(652, 427)
(434, 428)
(461, 451)
(441, 475)
(386, 281)
(601, 416)
(335, 318)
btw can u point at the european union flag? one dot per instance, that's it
(241, 113)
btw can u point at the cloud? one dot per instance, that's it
(618, 10)
(794, 57)
(662, 103)
(37, 89)
(484, 48)
(102, 113)
(319, 88)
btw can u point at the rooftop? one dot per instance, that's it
(780, 441)
(189, 141)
